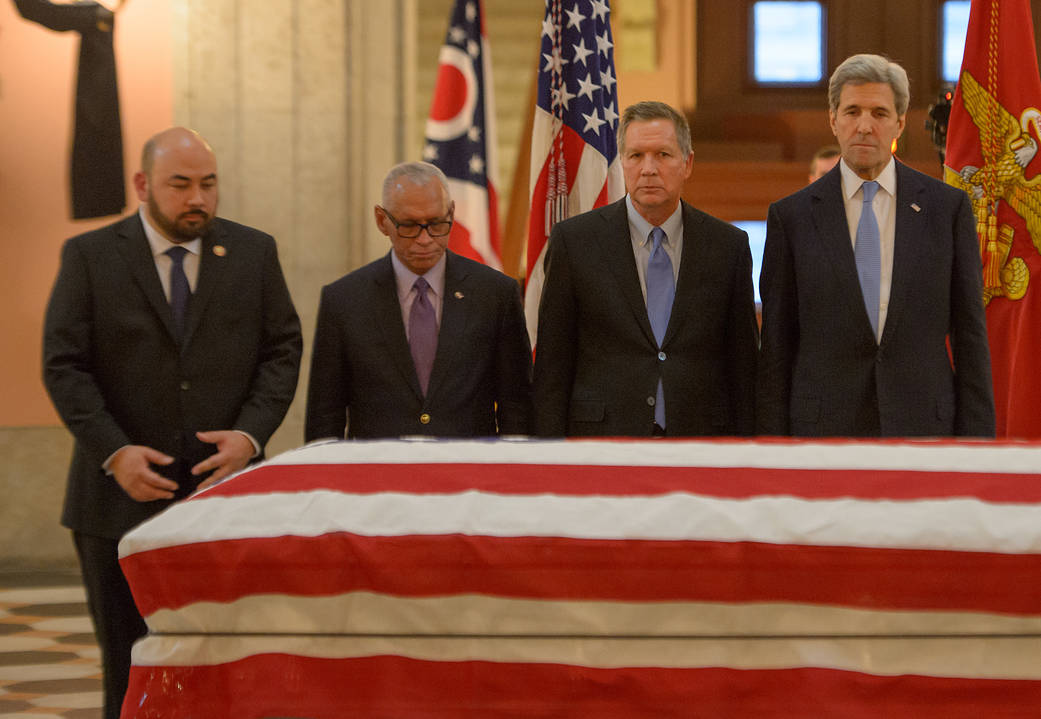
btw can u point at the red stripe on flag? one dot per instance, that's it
(270, 685)
(587, 480)
(584, 569)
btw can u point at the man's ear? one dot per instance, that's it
(381, 220)
(141, 186)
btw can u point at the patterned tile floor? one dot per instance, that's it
(49, 665)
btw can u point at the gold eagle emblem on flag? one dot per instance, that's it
(1007, 147)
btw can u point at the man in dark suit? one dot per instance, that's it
(421, 341)
(170, 370)
(869, 275)
(647, 321)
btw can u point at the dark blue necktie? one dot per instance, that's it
(868, 254)
(180, 291)
(661, 290)
(422, 333)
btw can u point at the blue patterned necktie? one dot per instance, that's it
(180, 290)
(868, 254)
(422, 333)
(661, 290)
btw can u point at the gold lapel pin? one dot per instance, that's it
(915, 207)
(458, 295)
(220, 250)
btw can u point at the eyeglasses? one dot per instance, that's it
(411, 230)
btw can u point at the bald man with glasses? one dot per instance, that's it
(422, 341)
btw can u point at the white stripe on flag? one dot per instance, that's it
(971, 658)
(950, 524)
(472, 615)
(920, 456)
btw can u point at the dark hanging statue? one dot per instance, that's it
(97, 143)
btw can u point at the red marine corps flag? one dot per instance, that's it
(574, 154)
(992, 153)
(461, 134)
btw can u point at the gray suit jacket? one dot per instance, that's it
(597, 364)
(821, 372)
(117, 375)
(480, 384)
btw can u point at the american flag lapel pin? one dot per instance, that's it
(458, 295)
(915, 207)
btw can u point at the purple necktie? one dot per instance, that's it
(180, 291)
(422, 333)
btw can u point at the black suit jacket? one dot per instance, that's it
(596, 362)
(480, 384)
(117, 375)
(822, 372)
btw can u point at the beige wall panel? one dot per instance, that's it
(32, 478)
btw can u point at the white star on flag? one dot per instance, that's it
(581, 53)
(574, 157)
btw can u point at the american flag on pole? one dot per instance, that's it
(460, 135)
(574, 153)
(992, 153)
(598, 579)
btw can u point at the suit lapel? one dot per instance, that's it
(455, 313)
(691, 262)
(828, 208)
(616, 249)
(137, 253)
(213, 263)
(910, 224)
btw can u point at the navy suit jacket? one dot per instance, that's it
(597, 364)
(117, 375)
(821, 371)
(361, 366)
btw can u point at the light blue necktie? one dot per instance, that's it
(180, 290)
(661, 290)
(868, 253)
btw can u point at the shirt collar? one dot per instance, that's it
(404, 278)
(160, 244)
(851, 181)
(673, 226)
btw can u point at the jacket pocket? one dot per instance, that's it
(587, 410)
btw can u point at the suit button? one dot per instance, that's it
(424, 418)
(661, 356)
(185, 384)
(650, 401)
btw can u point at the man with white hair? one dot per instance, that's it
(873, 321)
(422, 341)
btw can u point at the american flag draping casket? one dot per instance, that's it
(598, 578)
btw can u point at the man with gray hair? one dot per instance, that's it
(873, 321)
(647, 322)
(422, 341)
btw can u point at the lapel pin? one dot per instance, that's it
(220, 250)
(458, 295)
(915, 207)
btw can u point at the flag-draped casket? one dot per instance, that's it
(598, 578)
